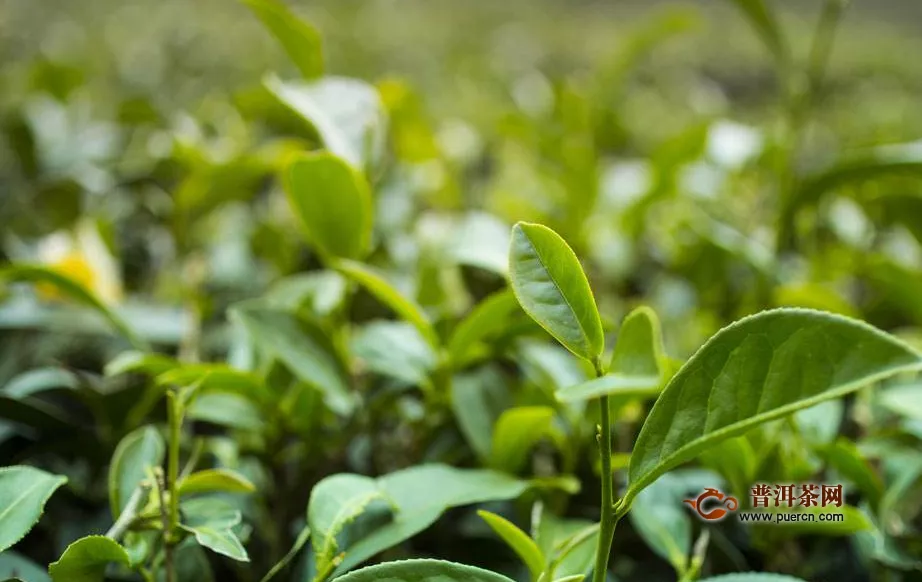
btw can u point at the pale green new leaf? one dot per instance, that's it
(23, 494)
(518, 540)
(332, 202)
(422, 571)
(516, 431)
(758, 369)
(211, 520)
(215, 480)
(489, 317)
(299, 38)
(138, 451)
(389, 296)
(335, 502)
(219, 541)
(550, 285)
(86, 560)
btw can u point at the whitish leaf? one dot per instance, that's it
(137, 452)
(758, 369)
(215, 480)
(347, 114)
(23, 494)
(518, 540)
(389, 296)
(422, 571)
(303, 347)
(551, 287)
(332, 202)
(299, 38)
(515, 433)
(86, 560)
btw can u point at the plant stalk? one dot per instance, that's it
(128, 515)
(608, 520)
(174, 418)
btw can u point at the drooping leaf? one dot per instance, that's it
(758, 369)
(299, 38)
(75, 290)
(215, 480)
(549, 284)
(422, 571)
(346, 113)
(23, 494)
(334, 503)
(137, 452)
(211, 520)
(86, 560)
(303, 347)
(516, 431)
(389, 296)
(332, 202)
(488, 318)
(521, 544)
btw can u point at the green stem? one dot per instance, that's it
(174, 417)
(128, 515)
(608, 520)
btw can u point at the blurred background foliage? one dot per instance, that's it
(691, 168)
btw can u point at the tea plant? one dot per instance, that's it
(425, 393)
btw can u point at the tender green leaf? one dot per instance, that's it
(215, 480)
(422, 571)
(570, 543)
(766, 26)
(758, 369)
(516, 431)
(335, 502)
(44, 275)
(333, 203)
(419, 495)
(518, 540)
(138, 451)
(659, 517)
(23, 494)
(388, 295)
(347, 114)
(551, 287)
(854, 521)
(142, 362)
(488, 318)
(35, 381)
(575, 578)
(211, 520)
(299, 38)
(303, 347)
(13, 564)
(475, 402)
(219, 541)
(753, 577)
(395, 349)
(846, 459)
(230, 410)
(86, 560)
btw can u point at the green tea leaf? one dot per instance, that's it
(230, 410)
(766, 26)
(753, 577)
(664, 524)
(40, 380)
(475, 401)
(332, 202)
(219, 541)
(516, 431)
(488, 318)
(138, 451)
(86, 560)
(23, 494)
(551, 287)
(394, 349)
(854, 521)
(74, 289)
(388, 295)
(300, 39)
(13, 564)
(518, 540)
(211, 520)
(758, 369)
(335, 502)
(303, 347)
(215, 480)
(422, 571)
(140, 362)
(846, 459)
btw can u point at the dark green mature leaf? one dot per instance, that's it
(388, 295)
(215, 480)
(137, 452)
(333, 203)
(419, 495)
(550, 285)
(299, 38)
(521, 544)
(303, 347)
(23, 494)
(515, 433)
(488, 318)
(758, 369)
(422, 571)
(347, 114)
(86, 560)
(13, 564)
(74, 289)
(334, 503)
(766, 26)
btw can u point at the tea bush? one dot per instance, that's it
(345, 340)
